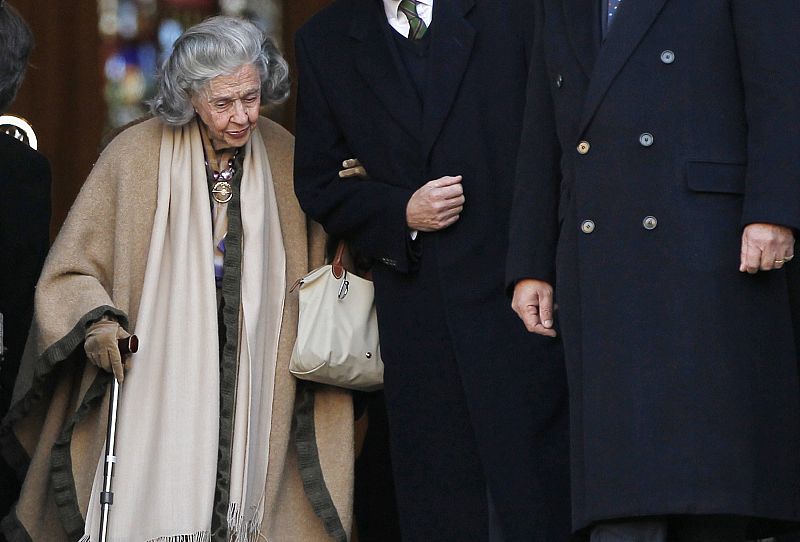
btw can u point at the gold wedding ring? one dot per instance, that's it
(779, 262)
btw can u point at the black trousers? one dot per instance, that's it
(374, 501)
(438, 476)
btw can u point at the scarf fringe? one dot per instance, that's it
(242, 530)
(200, 536)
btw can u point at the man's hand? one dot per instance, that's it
(765, 247)
(352, 168)
(533, 303)
(101, 346)
(436, 205)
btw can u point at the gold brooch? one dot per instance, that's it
(222, 192)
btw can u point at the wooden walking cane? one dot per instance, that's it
(126, 346)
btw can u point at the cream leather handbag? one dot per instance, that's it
(337, 330)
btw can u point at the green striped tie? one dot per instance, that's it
(418, 26)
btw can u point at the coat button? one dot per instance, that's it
(650, 222)
(667, 57)
(587, 226)
(583, 147)
(646, 139)
(559, 80)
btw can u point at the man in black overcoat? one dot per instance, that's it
(24, 241)
(428, 97)
(659, 189)
(24, 225)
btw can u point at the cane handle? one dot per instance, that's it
(128, 345)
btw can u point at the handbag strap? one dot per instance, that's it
(337, 266)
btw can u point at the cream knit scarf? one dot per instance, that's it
(167, 434)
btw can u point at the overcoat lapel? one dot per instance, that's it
(634, 19)
(583, 27)
(377, 65)
(452, 38)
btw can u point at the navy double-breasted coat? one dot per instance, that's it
(450, 343)
(643, 157)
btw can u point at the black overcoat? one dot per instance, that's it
(444, 297)
(24, 241)
(643, 157)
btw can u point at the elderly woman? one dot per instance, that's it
(186, 233)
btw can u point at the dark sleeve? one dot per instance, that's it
(25, 241)
(40, 214)
(534, 212)
(770, 68)
(369, 214)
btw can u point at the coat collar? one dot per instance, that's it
(634, 20)
(583, 28)
(378, 65)
(452, 38)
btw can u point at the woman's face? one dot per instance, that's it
(228, 106)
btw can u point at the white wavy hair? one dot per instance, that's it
(217, 46)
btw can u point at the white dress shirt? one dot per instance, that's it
(399, 21)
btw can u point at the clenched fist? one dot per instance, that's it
(765, 247)
(533, 303)
(436, 205)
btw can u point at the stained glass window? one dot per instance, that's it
(138, 34)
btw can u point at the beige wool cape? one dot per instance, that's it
(54, 432)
